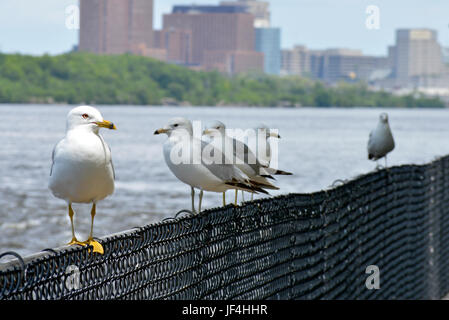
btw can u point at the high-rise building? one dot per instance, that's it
(295, 61)
(416, 53)
(445, 53)
(268, 41)
(353, 67)
(259, 9)
(115, 26)
(222, 37)
(176, 43)
(332, 65)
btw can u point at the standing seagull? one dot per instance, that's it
(179, 150)
(242, 156)
(263, 149)
(381, 140)
(82, 169)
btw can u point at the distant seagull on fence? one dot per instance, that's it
(241, 155)
(381, 140)
(179, 154)
(82, 169)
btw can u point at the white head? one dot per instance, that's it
(383, 117)
(264, 128)
(177, 125)
(214, 128)
(89, 118)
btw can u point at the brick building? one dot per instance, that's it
(116, 26)
(222, 37)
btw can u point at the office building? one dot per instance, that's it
(295, 61)
(268, 42)
(259, 9)
(445, 53)
(332, 65)
(115, 26)
(176, 45)
(416, 53)
(222, 37)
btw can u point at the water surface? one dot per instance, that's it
(318, 145)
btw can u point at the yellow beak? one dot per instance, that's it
(275, 135)
(207, 132)
(161, 131)
(106, 124)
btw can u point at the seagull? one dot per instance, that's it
(242, 157)
(82, 169)
(201, 173)
(381, 140)
(263, 149)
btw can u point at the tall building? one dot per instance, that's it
(445, 53)
(351, 66)
(116, 26)
(259, 9)
(295, 61)
(268, 41)
(222, 37)
(175, 44)
(332, 65)
(416, 53)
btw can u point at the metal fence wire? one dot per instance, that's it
(299, 246)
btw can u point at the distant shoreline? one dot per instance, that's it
(82, 78)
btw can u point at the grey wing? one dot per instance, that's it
(248, 156)
(110, 154)
(111, 163)
(370, 140)
(225, 172)
(53, 158)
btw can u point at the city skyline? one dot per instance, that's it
(319, 24)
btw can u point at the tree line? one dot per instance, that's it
(82, 78)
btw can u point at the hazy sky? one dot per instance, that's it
(37, 27)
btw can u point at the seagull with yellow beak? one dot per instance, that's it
(82, 169)
(202, 174)
(242, 157)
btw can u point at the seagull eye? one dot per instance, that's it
(85, 116)
(175, 125)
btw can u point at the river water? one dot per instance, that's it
(318, 145)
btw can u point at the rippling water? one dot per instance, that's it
(318, 145)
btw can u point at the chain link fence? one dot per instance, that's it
(298, 246)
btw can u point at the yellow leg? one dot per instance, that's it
(193, 199)
(200, 202)
(97, 247)
(236, 196)
(74, 241)
(224, 199)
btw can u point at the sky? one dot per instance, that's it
(38, 27)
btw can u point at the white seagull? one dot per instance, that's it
(381, 140)
(263, 149)
(242, 157)
(183, 154)
(82, 169)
